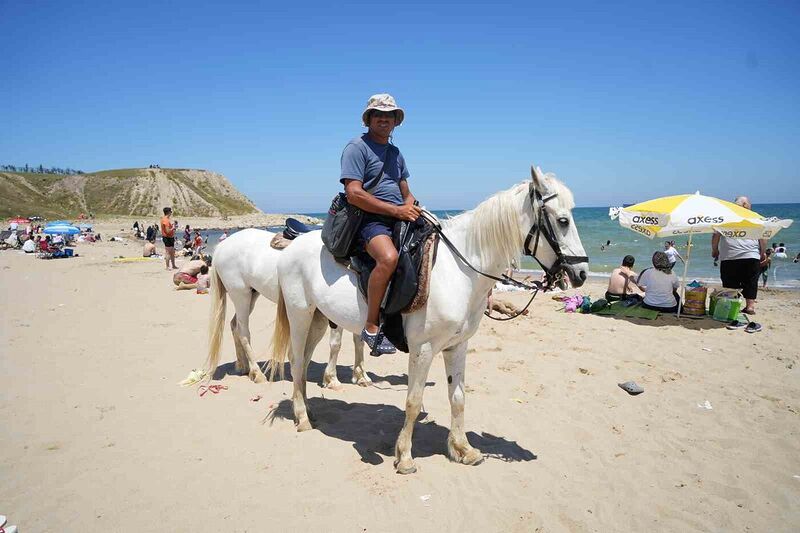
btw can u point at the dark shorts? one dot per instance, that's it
(169, 242)
(741, 274)
(374, 225)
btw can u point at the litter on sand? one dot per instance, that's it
(631, 387)
(215, 389)
(256, 398)
(705, 405)
(195, 376)
(425, 497)
(706, 349)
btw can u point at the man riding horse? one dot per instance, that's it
(371, 159)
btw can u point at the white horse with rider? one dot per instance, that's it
(534, 218)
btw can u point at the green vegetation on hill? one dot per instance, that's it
(126, 192)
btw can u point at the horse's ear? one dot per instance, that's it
(536, 176)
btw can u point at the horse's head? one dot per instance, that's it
(553, 237)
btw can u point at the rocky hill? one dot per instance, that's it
(128, 192)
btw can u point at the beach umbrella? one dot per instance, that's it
(58, 223)
(61, 230)
(689, 214)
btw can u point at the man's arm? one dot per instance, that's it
(357, 196)
(715, 245)
(762, 248)
(408, 198)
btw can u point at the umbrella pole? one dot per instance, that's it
(685, 270)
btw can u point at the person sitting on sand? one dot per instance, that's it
(203, 280)
(186, 277)
(621, 284)
(29, 246)
(149, 249)
(660, 286)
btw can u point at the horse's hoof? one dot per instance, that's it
(257, 376)
(472, 458)
(361, 379)
(331, 383)
(405, 467)
(305, 425)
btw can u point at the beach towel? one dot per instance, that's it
(634, 311)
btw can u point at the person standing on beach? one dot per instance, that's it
(168, 237)
(672, 253)
(390, 200)
(740, 262)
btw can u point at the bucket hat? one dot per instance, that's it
(382, 102)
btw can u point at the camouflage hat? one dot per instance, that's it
(382, 102)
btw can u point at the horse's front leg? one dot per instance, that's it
(329, 379)
(418, 366)
(360, 376)
(458, 448)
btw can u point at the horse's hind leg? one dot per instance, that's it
(315, 333)
(244, 302)
(299, 332)
(329, 379)
(360, 376)
(241, 366)
(458, 448)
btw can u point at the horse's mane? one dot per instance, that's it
(493, 228)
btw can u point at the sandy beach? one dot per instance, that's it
(98, 437)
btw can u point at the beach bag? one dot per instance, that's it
(341, 226)
(695, 304)
(716, 294)
(725, 305)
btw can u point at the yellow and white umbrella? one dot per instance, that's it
(689, 214)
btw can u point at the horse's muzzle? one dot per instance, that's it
(577, 273)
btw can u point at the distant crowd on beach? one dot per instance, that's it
(192, 274)
(46, 240)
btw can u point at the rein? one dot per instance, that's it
(541, 226)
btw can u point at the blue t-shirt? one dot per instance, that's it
(362, 160)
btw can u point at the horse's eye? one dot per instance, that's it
(564, 221)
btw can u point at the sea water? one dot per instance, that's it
(596, 228)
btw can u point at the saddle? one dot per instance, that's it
(408, 290)
(291, 230)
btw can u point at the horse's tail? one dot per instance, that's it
(216, 321)
(280, 339)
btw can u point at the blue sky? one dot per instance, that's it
(622, 100)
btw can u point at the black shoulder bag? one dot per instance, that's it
(340, 228)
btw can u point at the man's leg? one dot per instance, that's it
(172, 256)
(382, 250)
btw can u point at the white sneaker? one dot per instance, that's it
(3, 520)
(8, 529)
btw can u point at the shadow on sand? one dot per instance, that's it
(315, 372)
(373, 430)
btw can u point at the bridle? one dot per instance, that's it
(543, 226)
(540, 226)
